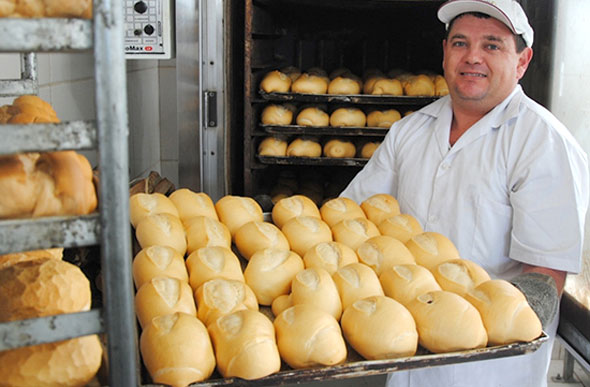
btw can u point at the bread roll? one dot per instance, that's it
(269, 273)
(447, 322)
(315, 286)
(219, 297)
(419, 85)
(255, 236)
(157, 261)
(275, 82)
(272, 146)
(344, 85)
(274, 114)
(213, 262)
(144, 204)
(42, 287)
(245, 345)
(236, 211)
(304, 147)
(353, 232)
(281, 303)
(369, 83)
(356, 281)
(383, 118)
(379, 328)
(338, 209)
(387, 86)
(34, 107)
(505, 312)
(72, 362)
(369, 148)
(440, 86)
(161, 296)
(191, 204)
(176, 350)
(12, 258)
(382, 252)
(343, 117)
(380, 207)
(329, 256)
(459, 275)
(312, 116)
(292, 206)
(203, 231)
(404, 283)
(304, 232)
(402, 227)
(292, 72)
(310, 84)
(161, 230)
(47, 8)
(308, 337)
(336, 148)
(431, 248)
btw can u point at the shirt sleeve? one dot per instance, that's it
(549, 195)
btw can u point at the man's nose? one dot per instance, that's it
(473, 55)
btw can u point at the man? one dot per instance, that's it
(493, 171)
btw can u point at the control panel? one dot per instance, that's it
(148, 29)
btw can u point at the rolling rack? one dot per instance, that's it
(108, 228)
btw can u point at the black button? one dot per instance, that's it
(140, 7)
(137, 32)
(149, 29)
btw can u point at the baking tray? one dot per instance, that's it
(318, 161)
(365, 99)
(325, 130)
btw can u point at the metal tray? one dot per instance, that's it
(348, 98)
(318, 161)
(325, 130)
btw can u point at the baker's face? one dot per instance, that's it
(480, 62)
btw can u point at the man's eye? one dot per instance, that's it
(458, 44)
(492, 47)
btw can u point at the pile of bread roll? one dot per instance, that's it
(310, 146)
(46, 8)
(343, 81)
(250, 292)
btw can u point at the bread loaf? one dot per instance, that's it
(161, 230)
(12, 258)
(161, 296)
(370, 80)
(387, 86)
(308, 337)
(292, 72)
(304, 232)
(219, 297)
(47, 8)
(245, 345)
(281, 303)
(157, 261)
(336, 148)
(304, 147)
(402, 227)
(344, 85)
(292, 206)
(29, 109)
(144, 204)
(338, 209)
(203, 231)
(275, 81)
(191, 204)
(440, 86)
(383, 252)
(459, 275)
(379, 327)
(315, 286)
(255, 236)
(380, 207)
(431, 248)
(274, 114)
(312, 116)
(353, 232)
(419, 85)
(269, 273)
(310, 84)
(236, 211)
(176, 350)
(383, 118)
(404, 283)
(272, 146)
(343, 117)
(213, 262)
(356, 281)
(506, 314)
(329, 256)
(447, 322)
(369, 148)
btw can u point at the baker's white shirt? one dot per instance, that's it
(513, 188)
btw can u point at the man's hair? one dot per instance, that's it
(518, 39)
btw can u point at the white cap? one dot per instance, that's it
(508, 12)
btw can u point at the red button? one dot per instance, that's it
(148, 48)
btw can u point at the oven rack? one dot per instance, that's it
(312, 161)
(361, 99)
(325, 130)
(109, 227)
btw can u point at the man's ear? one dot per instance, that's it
(523, 62)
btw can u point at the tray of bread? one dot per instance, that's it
(229, 294)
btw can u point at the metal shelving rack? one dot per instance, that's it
(110, 226)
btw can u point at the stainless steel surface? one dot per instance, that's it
(113, 132)
(26, 35)
(48, 329)
(28, 83)
(47, 232)
(75, 135)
